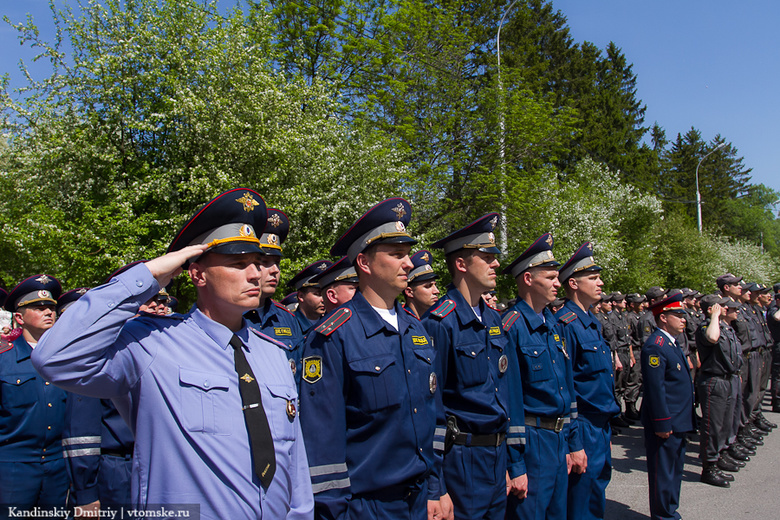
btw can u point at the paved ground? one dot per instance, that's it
(755, 494)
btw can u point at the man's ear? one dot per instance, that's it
(197, 274)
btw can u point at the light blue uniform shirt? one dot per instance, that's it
(174, 382)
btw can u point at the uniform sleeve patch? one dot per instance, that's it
(336, 320)
(509, 319)
(444, 308)
(654, 361)
(568, 317)
(312, 369)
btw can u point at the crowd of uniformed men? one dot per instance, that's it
(439, 408)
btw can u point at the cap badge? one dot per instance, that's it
(549, 240)
(427, 267)
(399, 226)
(274, 220)
(43, 279)
(425, 257)
(493, 222)
(248, 202)
(44, 294)
(81, 291)
(322, 267)
(273, 239)
(246, 378)
(492, 237)
(246, 231)
(400, 211)
(590, 246)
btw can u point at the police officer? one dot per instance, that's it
(338, 284)
(718, 387)
(311, 307)
(667, 407)
(369, 390)
(773, 322)
(757, 311)
(646, 320)
(634, 377)
(620, 343)
(471, 368)
(271, 317)
(32, 470)
(421, 293)
(542, 400)
(211, 401)
(593, 382)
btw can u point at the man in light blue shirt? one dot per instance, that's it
(174, 380)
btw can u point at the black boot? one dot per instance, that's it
(726, 456)
(738, 454)
(725, 465)
(631, 412)
(710, 475)
(766, 422)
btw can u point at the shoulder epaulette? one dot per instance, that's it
(5, 346)
(268, 338)
(509, 319)
(444, 308)
(410, 313)
(282, 306)
(568, 317)
(336, 320)
(660, 340)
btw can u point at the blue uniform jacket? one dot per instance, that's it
(369, 406)
(591, 364)
(275, 320)
(304, 323)
(174, 382)
(541, 373)
(468, 364)
(32, 410)
(667, 404)
(91, 425)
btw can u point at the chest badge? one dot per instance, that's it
(246, 378)
(432, 382)
(503, 363)
(291, 410)
(293, 368)
(679, 367)
(312, 369)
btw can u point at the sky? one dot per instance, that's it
(713, 65)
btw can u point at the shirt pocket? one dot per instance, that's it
(596, 356)
(205, 402)
(536, 363)
(425, 371)
(282, 411)
(18, 390)
(471, 364)
(379, 382)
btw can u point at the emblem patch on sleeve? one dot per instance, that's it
(312, 369)
(654, 361)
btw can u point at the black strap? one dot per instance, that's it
(260, 438)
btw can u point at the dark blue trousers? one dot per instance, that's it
(476, 481)
(665, 461)
(587, 491)
(29, 484)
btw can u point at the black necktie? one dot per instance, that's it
(256, 421)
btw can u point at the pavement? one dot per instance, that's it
(754, 494)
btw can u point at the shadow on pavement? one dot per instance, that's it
(620, 511)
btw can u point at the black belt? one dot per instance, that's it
(470, 439)
(548, 423)
(402, 491)
(117, 453)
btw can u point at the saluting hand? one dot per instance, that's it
(168, 266)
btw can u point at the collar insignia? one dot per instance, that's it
(248, 202)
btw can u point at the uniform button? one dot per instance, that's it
(415, 410)
(473, 353)
(139, 283)
(49, 405)
(377, 368)
(110, 304)
(206, 383)
(44, 450)
(47, 383)
(408, 371)
(420, 450)
(428, 359)
(535, 352)
(48, 428)
(496, 389)
(561, 388)
(553, 361)
(18, 381)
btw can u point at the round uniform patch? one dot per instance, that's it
(432, 382)
(654, 361)
(293, 367)
(503, 363)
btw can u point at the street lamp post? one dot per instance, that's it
(698, 193)
(501, 145)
